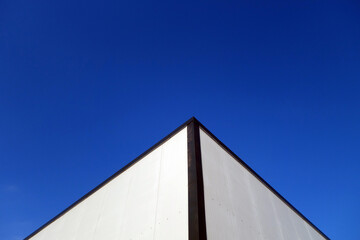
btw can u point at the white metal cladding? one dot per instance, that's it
(239, 206)
(147, 201)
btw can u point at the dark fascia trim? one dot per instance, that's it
(261, 179)
(201, 193)
(112, 177)
(196, 202)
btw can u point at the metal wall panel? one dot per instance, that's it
(239, 206)
(147, 201)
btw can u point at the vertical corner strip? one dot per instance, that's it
(197, 225)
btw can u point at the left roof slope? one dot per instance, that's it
(149, 196)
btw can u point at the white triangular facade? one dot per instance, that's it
(154, 198)
(147, 201)
(239, 206)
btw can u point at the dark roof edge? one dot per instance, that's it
(123, 169)
(260, 179)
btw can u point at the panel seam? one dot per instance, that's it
(158, 193)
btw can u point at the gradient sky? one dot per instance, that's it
(87, 86)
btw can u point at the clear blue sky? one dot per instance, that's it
(87, 86)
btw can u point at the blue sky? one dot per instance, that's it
(87, 86)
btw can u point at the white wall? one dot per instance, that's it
(147, 201)
(239, 206)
